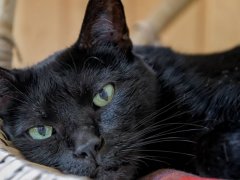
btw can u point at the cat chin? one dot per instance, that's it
(98, 168)
(101, 173)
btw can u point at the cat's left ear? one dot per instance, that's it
(7, 81)
(105, 23)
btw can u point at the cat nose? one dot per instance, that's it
(88, 149)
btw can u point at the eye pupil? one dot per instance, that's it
(103, 94)
(41, 130)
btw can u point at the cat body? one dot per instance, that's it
(209, 85)
(106, 110)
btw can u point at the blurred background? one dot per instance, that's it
(203, 26)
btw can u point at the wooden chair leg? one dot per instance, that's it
(7, 8)
(147, 31)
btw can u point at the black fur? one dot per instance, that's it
(168, 110)
(210, 86)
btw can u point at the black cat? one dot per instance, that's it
(106, 110)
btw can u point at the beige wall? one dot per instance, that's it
(44, 26)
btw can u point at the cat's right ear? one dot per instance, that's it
(104, 23)
(7, 81)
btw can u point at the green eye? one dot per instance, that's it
(40, 132)
(104, 96)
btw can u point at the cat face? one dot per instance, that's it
(79, 109)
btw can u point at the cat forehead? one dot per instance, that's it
(92, 71)
(68, 78)
(76, 70)
(101, 55)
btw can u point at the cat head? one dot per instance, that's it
(80, 109)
